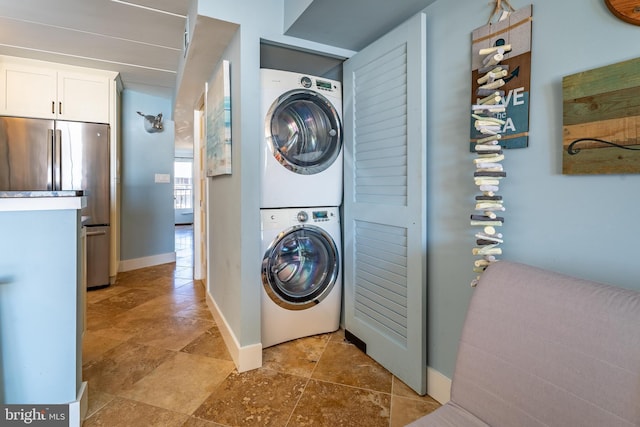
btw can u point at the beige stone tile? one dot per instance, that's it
(260, 397)
(338, 336)
(122, 366)
(297, 357)
(327, 404)
(195, 289)
(197, 422)
(100, 316)
(159, 283)
(97, 400)
(210, 344)
(95, 345)
(172, 333)
(127, 413)
(95, 295)
(198, 309)
(128, 299)
(145, 275)
(406, 410)
(163, 305)
(343, 363)
(181, 383)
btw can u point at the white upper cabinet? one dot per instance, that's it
(43, 90)
(83, 97)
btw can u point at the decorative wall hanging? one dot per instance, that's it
(501, 63)
(501, 72)
(601, 118)
(152, 124)
(218, 123)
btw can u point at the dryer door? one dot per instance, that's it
(300, 267)
(304, 131)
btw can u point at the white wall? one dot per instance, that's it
(580, 225)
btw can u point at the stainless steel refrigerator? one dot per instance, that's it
(50, 155)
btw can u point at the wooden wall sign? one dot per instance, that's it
(506, 77)
(601, 120)
(627, 10)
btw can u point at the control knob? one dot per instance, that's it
(302, 216)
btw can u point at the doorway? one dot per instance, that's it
(183, 190)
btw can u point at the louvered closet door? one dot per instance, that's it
(385, 200)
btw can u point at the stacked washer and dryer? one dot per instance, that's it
(301, 179)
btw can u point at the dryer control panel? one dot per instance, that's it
(325, 85)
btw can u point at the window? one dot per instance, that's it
(183, 184)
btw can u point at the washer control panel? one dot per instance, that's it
(280, 219)
(314, 216)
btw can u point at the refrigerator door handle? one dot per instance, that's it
(58, 159)
(96, 233)
(50, 150)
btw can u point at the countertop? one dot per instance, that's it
(31, 194)
(13, 201)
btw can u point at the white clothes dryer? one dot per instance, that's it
(301, 153)
(301, 275)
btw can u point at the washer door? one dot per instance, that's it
(300, 267)
(303, 131)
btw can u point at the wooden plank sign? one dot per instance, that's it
(601, 120)
(501, 74)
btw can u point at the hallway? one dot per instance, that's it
(153, 356)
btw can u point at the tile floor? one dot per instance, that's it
(153, 356)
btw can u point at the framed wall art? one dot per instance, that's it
(218, 121)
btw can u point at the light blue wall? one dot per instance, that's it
(225, 220)
(39, 277)
(580, 225)
(147, 208)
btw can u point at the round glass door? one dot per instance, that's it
(304, 132)
(300, 267)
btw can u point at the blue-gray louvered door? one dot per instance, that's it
(385, 200)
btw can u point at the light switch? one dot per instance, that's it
(163, 178)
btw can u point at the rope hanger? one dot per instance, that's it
(501, 7)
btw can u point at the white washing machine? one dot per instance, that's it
(301, 154)
(301, 275)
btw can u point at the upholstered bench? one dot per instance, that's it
(543, 349)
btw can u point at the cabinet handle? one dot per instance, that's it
(53, 107)
(60, 107)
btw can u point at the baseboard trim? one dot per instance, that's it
(149, 261)
(246, 358)
(438, 386)
(78, 408)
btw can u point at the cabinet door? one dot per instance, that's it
(83, 97)
(28, 91)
